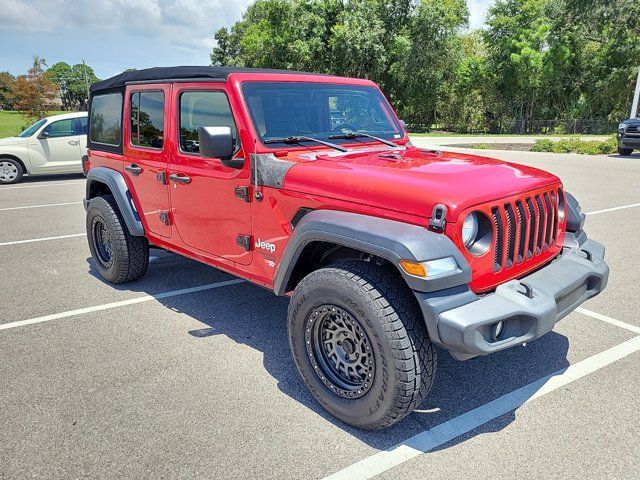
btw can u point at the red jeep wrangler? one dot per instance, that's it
(308, 185)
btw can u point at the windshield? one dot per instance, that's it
(32, 129)
(319, 110)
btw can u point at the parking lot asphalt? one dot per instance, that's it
(151, 379)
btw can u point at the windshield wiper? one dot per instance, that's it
(352, 135)
(299, 139)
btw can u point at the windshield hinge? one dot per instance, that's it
(438, 216)
(244, 241)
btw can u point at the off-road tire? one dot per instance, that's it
(17, 171)
(404, 357)
(625, 152)
(130, 254)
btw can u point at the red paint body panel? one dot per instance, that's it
(206, 217)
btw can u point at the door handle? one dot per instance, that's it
(133, 169)
(74, 142)
(178, 177)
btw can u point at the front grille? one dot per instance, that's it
(524, 228)
(632, 129)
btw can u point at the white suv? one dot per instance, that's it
(51, 145)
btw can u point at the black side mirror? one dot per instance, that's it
(217, 142)
(44, 135)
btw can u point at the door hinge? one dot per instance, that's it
(244, 241)
(161, 176)
(164, 218)
(243, 193)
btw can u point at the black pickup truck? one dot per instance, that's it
(629, 136)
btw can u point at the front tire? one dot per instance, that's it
(10, 171)
(359, 341)
(119, 256)
(625, 152)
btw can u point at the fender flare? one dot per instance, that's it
(118, 186)
(388, 239)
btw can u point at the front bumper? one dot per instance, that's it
(629, 142)
(529, 307)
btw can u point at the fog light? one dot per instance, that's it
(496, 330)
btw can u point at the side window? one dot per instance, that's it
(106, 119)
(147, 119)
(203, 109)
(61, 128)
(80, 125)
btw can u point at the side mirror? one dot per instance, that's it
(44, 135)
(217, 142)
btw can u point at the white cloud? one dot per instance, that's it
(478, 12)
(188, 23)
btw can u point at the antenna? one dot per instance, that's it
(258, 193)
(86, 80)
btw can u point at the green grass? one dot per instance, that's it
(451, 134)
(12, 122)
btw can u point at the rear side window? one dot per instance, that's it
(147, 119)
(60, 128)
(203, 109)
(106, 119)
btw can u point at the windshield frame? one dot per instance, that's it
(36, 126)
(398, 135)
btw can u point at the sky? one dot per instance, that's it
(112, 35)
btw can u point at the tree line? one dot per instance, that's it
(45, 88)
(534, 60)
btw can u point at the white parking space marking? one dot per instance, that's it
(447, 431)
(39, 206)
(612, 321)
(613, 209)
(59, 184)
(44, 239)
(107, 306)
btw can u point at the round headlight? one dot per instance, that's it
(470, 230)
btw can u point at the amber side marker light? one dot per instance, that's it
(413, 268)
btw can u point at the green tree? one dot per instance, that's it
(7, 94)
(73, 82)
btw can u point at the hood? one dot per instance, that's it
(413, 180)
(12, 141)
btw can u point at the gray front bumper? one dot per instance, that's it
(529, 307)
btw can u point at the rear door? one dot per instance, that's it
(145, 150)
(208, 214)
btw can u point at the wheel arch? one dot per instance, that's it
(324, 237)
(106, 181)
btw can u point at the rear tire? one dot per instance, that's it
(370, 309)
(119, 256)
(625, 152)
(10, 171)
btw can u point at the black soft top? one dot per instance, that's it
(177, 73)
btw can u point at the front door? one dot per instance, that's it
(146, 153)
(57, 148)
(207, 213)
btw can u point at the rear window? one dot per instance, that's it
(106, 119)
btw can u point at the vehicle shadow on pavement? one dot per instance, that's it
(49, 178)
(255, 317)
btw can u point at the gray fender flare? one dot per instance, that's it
(389, 239)
(118, 186)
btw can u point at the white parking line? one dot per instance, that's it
(59, 184)
(44, 239)
(451, 429)
(107, 306)
(613, 209)
(612, 321)
(38, 206)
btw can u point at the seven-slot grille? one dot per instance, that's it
(524, 228)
